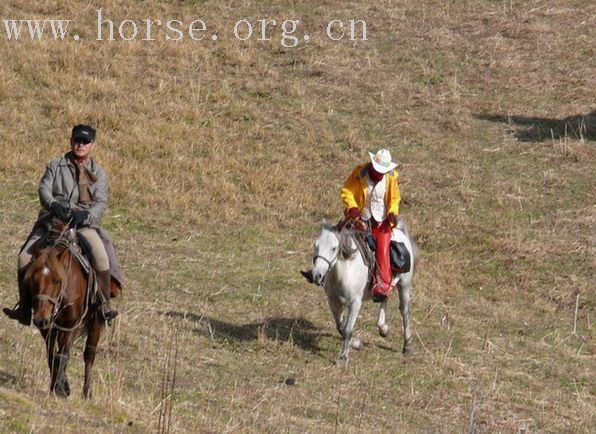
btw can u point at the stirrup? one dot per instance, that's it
(14, 313)
(107, 313)
(379, 298)
(19, 314)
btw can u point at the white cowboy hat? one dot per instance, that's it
(381, 161)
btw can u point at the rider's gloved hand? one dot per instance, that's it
(392, 218)
(354, 213)
(60, 210)
(79, 216)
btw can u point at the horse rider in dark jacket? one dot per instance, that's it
(73, 188)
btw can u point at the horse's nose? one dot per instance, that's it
(317, 278)
(41, 323)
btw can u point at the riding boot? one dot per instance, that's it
(378, 294)
(381, 287)
(103, 282)
(307, 275)
(22, 311)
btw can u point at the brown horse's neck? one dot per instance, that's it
(75, 283)
(55, 274)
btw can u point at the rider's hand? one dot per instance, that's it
(392, 219)
(79, 216)
(360, 225)
(354, 213)
(60, 210)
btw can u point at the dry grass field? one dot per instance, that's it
(224, 156)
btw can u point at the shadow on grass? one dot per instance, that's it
(7, 379)
(299, 331)
(387, 348)
(534, 129)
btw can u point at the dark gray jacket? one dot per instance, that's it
(59, 183)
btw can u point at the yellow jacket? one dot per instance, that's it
(353, 193)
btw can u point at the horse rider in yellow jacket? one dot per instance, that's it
(371, 194)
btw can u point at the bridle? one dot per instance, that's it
(330, 262)
(56, 302)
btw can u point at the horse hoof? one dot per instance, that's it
(383, 330)
(356, 343)
(341, 363)
(62, 392)
(407, 348)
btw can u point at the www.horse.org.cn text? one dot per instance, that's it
(288, 33)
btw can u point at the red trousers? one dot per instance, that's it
(382, 234)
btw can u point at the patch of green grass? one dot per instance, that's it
(14, 425)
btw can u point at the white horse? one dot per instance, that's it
(338, 266)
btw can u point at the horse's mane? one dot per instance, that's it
(345, 236)
(325, 225)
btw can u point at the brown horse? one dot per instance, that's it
(64, 307)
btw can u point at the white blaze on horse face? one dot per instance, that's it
(45, 271)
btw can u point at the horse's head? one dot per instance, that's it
(45, 277)
(326, 252)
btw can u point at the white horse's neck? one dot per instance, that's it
(349, 275)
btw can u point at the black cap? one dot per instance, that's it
(83, 132)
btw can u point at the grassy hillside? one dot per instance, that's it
(223, 157)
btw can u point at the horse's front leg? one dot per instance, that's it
(49, 336)
(405, 289)
(354, 310)
(93, 333)
(337, 309)
(382, 325)
(60, 385)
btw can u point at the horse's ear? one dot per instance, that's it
(324, 222)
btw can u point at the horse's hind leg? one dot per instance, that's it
(382, 325)
(60, 361)
(405, 289)
(354, 310)
(93, 334)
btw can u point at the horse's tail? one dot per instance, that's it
(402, 226)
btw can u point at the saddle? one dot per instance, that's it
(78, 247)
(399, 255)
(80, 250)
